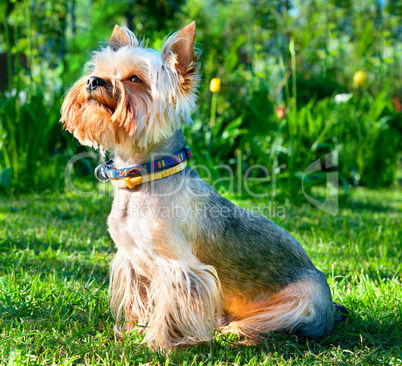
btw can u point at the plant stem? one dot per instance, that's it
(8, 48)
(292, 122)
(213, 110)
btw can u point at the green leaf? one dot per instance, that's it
(5, 177)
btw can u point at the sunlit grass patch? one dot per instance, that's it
(54, 263)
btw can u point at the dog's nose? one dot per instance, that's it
(93, 82)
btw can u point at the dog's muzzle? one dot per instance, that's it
(93, 82)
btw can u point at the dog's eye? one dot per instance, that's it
(135, 79)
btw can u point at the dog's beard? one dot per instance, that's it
(96, 125)
(104, 117)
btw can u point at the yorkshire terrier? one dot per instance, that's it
(188, 261)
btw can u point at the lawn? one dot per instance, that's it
(54, 256)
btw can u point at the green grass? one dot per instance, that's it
(54, 258)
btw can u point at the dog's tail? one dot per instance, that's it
(340, 313)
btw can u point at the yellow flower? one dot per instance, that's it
(359, 78)
(215, 85)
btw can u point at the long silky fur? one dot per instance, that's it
(179, 305)
(128, 294)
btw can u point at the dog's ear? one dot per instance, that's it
(182, 46)
(122, 37)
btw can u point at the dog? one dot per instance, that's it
(188, 262)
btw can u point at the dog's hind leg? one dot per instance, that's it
(302, 308)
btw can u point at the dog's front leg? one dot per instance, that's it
(157, 282)
(128, 294)
(185, 296)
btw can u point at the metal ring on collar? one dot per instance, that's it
(99, 177)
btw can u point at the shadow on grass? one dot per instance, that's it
(359, 206)
(346, 338)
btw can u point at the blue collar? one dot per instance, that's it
(105, 171)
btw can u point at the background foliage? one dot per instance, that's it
(281, 63)
(300, 79)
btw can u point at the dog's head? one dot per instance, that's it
(133, 96)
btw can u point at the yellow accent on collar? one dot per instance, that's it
(132, 182)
